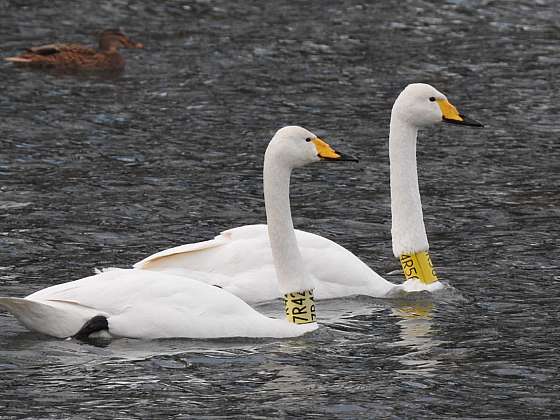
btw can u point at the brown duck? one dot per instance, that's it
(77, 56)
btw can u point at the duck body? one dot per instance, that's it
(70, 57)
(79, 57)
(147, 305)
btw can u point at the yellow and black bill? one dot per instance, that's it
(451, 115)
(326, 152)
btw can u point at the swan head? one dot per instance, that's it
(295, 147)
(423, 105)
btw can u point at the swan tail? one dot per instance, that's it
(55, 318)
(105, 269)
(96, 324)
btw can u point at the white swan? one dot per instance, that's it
(242, 255)
(146, 304)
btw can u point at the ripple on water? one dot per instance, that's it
(100, 171)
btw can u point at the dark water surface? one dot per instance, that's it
(99, 171)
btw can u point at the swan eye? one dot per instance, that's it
(432, 99)
(308, 139)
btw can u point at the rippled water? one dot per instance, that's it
(99, 171)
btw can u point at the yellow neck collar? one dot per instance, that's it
(419, 266)
(300, 307)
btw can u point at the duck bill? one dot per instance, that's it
(326, 152)
(451, 115)
(129, 43)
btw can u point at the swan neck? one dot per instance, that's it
(408, 230)
(288, 261)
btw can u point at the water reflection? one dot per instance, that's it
(416, 322)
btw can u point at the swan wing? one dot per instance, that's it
(167, 257)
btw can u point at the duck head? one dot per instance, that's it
(112, 40)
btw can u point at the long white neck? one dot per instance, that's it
(408, 231)
(285, 252)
